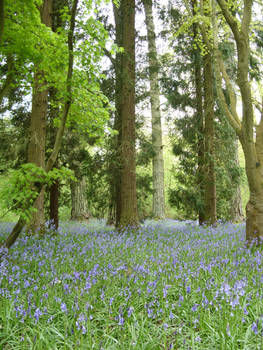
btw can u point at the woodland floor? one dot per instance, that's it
(169, 285)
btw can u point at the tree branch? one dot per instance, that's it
(109, 55)
(232, 21)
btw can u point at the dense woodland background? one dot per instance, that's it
(131, 110)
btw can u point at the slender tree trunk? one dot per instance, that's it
(200, 134)
(54, 204)
(236, 202)
(199, 115)
(115, 205)
(129, 211)
(54, 188)
(79, 206)
(157, 163)
(37, 141)
(210, 177)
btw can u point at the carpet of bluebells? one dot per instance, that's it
(167, 285)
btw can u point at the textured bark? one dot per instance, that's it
(209, 173)
(79, 206)
(253, 148)
(129, 211)
(158, 207)
(37, 141)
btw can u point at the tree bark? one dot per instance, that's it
(158, 207)
(129, 211)
(37, 141)
(209, 134)
(79, 205)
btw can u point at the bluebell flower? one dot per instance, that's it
(63, 307)
(254, 327)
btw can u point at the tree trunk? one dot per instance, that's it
(157, 163)
(236, 203)
(79, 206)
(129, 211)
(210, 177)
(253, 152)
(199, 116)
(115, 183)
(54, 204)
(37, 141)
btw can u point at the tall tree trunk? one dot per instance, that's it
(115, 204)
(37, 141)
(157, 163)
(210, 177)
(200, 134)
(79, 206)
(129, 211)
(199, 115)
